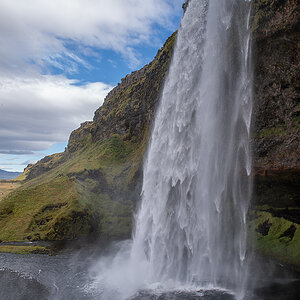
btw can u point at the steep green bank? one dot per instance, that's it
(93, 186)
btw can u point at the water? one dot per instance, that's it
(191, 227)
(67, 277)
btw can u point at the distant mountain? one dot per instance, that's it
(8, 175)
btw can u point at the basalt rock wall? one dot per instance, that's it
(276, 129)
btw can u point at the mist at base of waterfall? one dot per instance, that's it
(117, 275)
(69, 276)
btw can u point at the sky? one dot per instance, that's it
(60, 58)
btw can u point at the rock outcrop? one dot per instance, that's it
(276, 128)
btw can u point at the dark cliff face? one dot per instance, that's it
(276, 129)
(277, 84)
(185, 5)
(276, 123)
(128, 109)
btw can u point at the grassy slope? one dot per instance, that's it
(6, 187)
(24, 249)
(59, 205)
(91, 190)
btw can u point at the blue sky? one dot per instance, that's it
(60, 58)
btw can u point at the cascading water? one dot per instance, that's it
(191, 226)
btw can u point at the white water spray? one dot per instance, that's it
(191, 226)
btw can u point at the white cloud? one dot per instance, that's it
(38, 112)
(37, 30)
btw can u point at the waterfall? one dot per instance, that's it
(191, 224)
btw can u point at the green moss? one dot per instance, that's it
(24, 249)
(116, 148)
(272, 131)
(67, 202)
(282, 241)
(113, 217)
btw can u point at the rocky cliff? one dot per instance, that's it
(276, 129)
(92, 187)
(277, 84)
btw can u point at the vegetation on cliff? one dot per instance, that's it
(92, 187)
(276, 236)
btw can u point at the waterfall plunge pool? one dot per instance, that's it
(68, 276)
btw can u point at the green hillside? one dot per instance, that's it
(92, 187)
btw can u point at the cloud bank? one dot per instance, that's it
(37, 112)
(44, 42)
(40, 32)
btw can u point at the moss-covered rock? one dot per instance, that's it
(30, 213)
(276, 237)
(25, 249)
